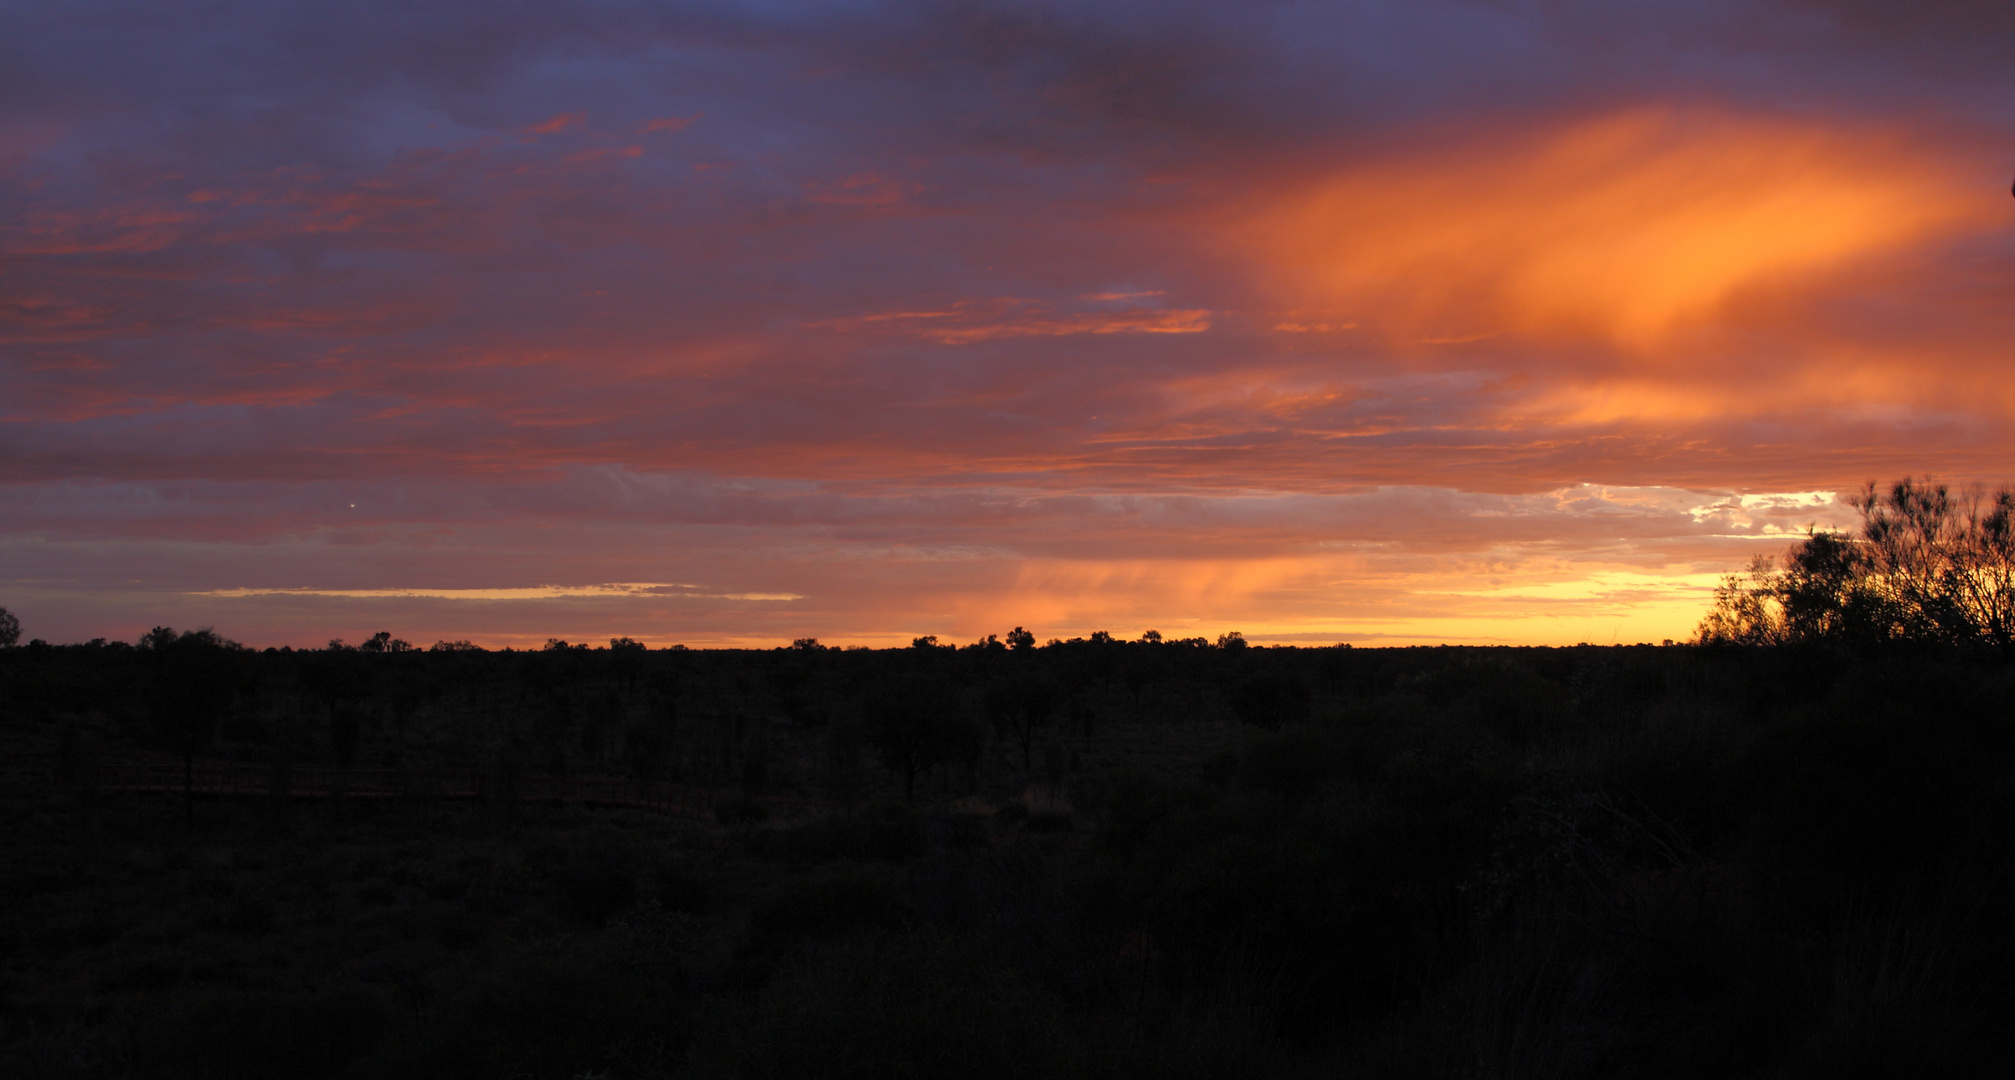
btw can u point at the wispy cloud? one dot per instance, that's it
(629, 590)
(964, 322)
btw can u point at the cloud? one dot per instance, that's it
(641, 590)
(667, 124)
(1397, 320)
(965, 321)
(1629, 226)
(557, 124)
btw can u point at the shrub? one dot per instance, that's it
(1268, 701)
(885, 1006)
(1047, 822)
(548, 1019)
(823, 908)
(883, 834)
(230, 1035)
(676, 888)
(598, 886)
(741, 812)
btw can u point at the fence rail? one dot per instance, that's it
(213, 779)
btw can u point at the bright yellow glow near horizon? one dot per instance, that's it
(1534, 591)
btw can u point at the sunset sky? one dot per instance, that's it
(1488, 322)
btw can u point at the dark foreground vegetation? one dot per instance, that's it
(1091, 858)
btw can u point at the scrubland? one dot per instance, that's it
(1090, 858)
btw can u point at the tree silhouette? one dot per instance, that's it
(384, 642)
(1020, 707)
(916, 723)
(1268, 701)
(405, 691)
(193, 676)
(1926, 565)
(629, 655)
(335, 676)
(10, 628)
(644, 751)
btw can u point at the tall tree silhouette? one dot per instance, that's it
(336, 676)
(193, 676)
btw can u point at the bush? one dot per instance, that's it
(224, 1036)
(1268, 701)
(456, 929)
(741, 812)
(598, 886)
(824, 908)
(884, 834)
(1293, 766)
(1047, 822)
(892, 1007)
(555, 1019)
(676, 888)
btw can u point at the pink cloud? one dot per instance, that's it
(557, 124)
(667, 124)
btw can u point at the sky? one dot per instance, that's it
(725, 324)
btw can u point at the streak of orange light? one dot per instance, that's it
(1625, 227)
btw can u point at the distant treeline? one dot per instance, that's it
(926, 712)
(809, 719)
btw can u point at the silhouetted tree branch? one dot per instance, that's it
(1926, 565)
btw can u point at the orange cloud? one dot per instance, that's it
(1313, 328)
(969, 321)
(619, 590)
(1625, 227)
